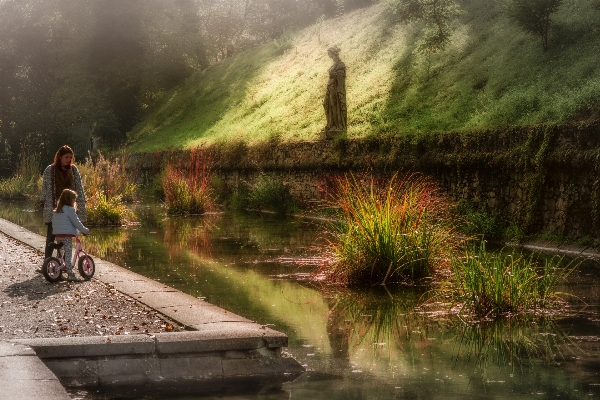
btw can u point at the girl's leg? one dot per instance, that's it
(68, 248)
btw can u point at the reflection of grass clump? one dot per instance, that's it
(389, 230)
(103, 242)
(507, 342)
(490, 284)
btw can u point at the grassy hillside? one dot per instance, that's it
(491, 76)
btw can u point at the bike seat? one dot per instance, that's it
(56, 246)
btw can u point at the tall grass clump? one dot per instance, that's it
(493, 284)
(187, 183)
(108, 186)
(24, 182)
(390, 230)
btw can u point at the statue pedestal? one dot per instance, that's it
(329, 135)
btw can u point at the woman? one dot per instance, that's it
(60, 175)
(335, 96)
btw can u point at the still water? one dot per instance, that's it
(367, 344)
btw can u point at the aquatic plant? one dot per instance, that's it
(492, 284)
(108, 185)
(24, 181)
(187, 184)
(104, 211)
(389, 230)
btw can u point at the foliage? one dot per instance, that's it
(437, 15)
(24, 181)
(187, 184)
(493, 284)
(270, 193)
(109, 177)
(479, 222)
(533, 16)
(108, 184)
(489, 77)
(389, 230)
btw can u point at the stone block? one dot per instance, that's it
(75, 372)
(248, 367)
(130, 371)
(191, 368)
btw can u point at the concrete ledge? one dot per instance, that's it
(24, 376)
(91, 346)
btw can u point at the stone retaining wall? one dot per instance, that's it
(544, 179)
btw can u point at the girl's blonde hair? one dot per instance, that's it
(67, 198)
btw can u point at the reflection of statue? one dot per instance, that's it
(335, 97)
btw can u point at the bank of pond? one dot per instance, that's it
(381, 341)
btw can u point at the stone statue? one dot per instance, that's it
(335, 96)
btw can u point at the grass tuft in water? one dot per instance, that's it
(389, 230)
(187, 184)
(492, 284)
(108, 186)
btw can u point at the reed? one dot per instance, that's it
(389, 230)
(493, 284)
(187, 184)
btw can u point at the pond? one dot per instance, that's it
(354, 344)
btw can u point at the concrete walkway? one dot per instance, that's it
(235, 346)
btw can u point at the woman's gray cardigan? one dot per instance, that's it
(49, 201)
(67, 223)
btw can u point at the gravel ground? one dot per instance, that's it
(31, 307)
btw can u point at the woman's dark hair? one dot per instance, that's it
(61, 152)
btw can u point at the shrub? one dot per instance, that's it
(478, 222)
(491, 284)
(389, 230)
(270, 193)
(109, 177)
(187, 189)
(24, 182)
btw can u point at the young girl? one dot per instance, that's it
(66, 225)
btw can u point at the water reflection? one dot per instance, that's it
(368, 344)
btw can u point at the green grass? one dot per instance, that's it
(389, 231)
(495, 284)
(492, 75)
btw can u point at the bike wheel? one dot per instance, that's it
(52, 269)
(86, 266)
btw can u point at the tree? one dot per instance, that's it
(437, 15)
(533, 16)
